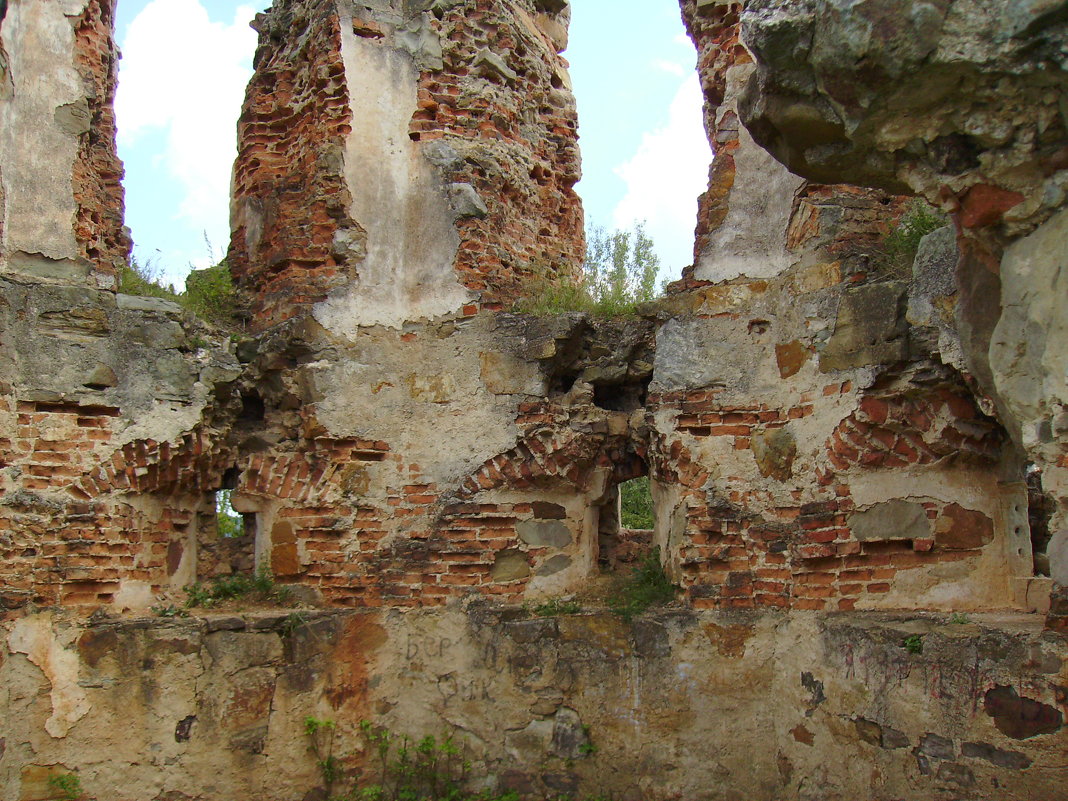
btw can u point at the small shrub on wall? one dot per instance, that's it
(618, 275)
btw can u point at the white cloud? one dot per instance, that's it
(182, 78)
(670, 67)
(665, 176)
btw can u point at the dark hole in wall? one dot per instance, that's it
(1039, 511)
(620, 397)
(253, 409)
(562, 383)
(230, 479)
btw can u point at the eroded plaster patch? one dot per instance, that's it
(48, 648)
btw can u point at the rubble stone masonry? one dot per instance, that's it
(472, 167)
(841, 501)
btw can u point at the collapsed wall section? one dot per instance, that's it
(399, 161)
(964, 109)
(61, 217)
(818, 451)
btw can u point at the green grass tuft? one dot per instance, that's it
(257, 587)
(903, 241)
(647, 586)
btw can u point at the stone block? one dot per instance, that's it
(554, 564)
(891, 520)
(510, 565)
(870, 328)
(544, 533)
(960, 528)
(775, 451)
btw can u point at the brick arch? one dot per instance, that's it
(195, 462)
(913, 429)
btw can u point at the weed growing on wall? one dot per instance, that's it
(903, 241)
(146, 281)
(402, 769)
(618, 275)
(647, 586)
(555, 607)
(257, 587)
(913, 644)
(209, 293)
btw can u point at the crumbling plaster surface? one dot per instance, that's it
(962, 104)
(829, 482)
(1027, 352)
(397, 194)
(958, 98)
(387, 385)
(45, 113)
(751, 240)
(220, 703)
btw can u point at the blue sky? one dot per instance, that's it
(186, 62)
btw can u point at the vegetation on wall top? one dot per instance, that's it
(618, 275)
(209, 293)
(903, 240)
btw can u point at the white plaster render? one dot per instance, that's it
(1027, 353)
(36, 154)
(750, 241)
(396, 196)
(391, 390)
(34, 636)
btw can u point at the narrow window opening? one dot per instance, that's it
(626, 523)
(229, 523)
(1039, 511)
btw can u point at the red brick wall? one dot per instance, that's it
(297, 115)
(535, 223)
(744, 549)
(97, 178)
(291, 132)
(715, 32)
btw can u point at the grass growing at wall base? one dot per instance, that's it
(257, 587)
(646, 586)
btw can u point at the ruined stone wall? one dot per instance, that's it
(961, 107)
(812, 437)
(831, 478)
(405, 160)
(714, 706)
(62, 216)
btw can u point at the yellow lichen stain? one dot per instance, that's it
(33, 784)
(817, 276)
(354, 479)
(431, 389)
